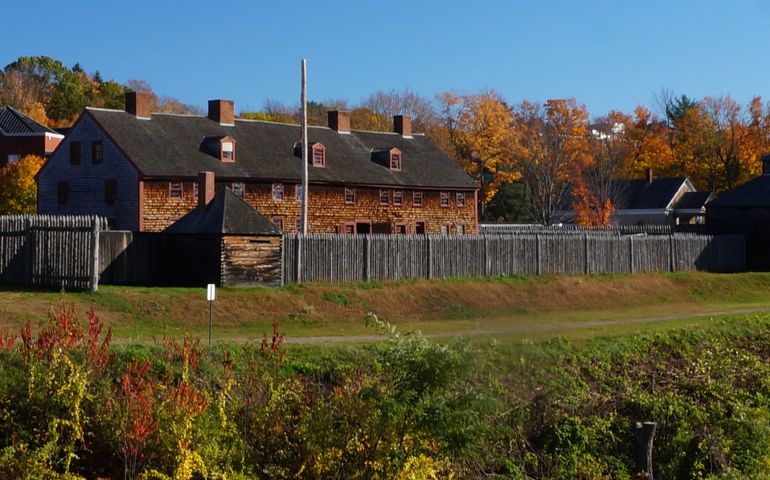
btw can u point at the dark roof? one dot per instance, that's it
(14, 122)
(170, 146)
(227, 213)
(694, 200)
(640, 194)
(755, 192)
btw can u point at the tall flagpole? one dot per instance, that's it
(303, 217)
(304, 147)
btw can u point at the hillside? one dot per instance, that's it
(514, 307)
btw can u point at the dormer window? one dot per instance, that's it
(227, 149)
(390, 158)
(395, 159)
(318, 155)
(221, 147)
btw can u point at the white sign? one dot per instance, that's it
(211, 292)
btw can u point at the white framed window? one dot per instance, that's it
(417, 199)
(175, 189)
(384, 197)
(298, 192)
(395, 160)
(318, 154)
(444, 199)
(460, 199)
(238, 188)
(398, 197)
(350, 196)
(278, 191)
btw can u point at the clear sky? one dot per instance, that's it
(607, 54)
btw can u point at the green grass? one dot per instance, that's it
(508, 309)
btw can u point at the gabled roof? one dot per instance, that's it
(694, 200)
(639, 194)
(13, 122)
(755, 192)
(227, 213)
(169, 146)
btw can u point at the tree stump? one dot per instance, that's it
(644, 434)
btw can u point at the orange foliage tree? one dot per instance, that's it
(550, 150)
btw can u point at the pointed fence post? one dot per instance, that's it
(95, 253)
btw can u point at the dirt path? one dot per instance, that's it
(543, 327)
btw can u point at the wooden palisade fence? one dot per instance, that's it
(50, 251)
(335, 258)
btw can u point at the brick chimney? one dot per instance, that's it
(222, 112)
(339, 121)
(648, 175)
(139, 104)
(402, 125)
(206, 188)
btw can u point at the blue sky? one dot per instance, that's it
(607, 54)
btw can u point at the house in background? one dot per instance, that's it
(745, 210)
(655, 201)
(21, 135)
(140, 170)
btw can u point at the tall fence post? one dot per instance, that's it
(585, 251)
(631, 254)
(672, 263)
(430, 257)
(29, 252)
(538, 255)
(283, 260)
(367, 258)
(297, 248)
(487, 266)
(94, 254)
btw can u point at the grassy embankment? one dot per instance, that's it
(509, 308)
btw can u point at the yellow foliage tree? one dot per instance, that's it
(18, 191)
(481, 130)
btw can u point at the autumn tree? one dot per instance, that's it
(596, 190)
(550, 148)
(481, 130)
(385, 105)
(649, 141)
(18, 191)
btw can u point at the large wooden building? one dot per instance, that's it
(140, 170)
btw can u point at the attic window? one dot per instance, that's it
(318, 155)
(228, 149)
(395, 159)
(175, 189)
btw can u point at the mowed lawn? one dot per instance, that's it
(503, 308)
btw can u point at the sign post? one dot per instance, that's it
(211, 293)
